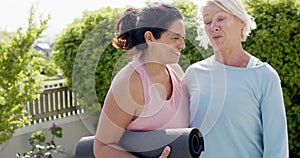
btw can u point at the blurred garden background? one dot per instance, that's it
(63, 79)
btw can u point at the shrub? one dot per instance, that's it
(20, 76)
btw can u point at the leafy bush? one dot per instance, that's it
(49, 68)
(20, 76)
(276, 41)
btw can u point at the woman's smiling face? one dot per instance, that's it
(171, 42)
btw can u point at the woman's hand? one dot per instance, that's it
(166, 152)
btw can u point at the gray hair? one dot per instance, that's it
(234, 7)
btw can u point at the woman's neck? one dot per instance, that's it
(235, 58)
(156, 70)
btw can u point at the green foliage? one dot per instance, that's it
(276, 41)
(20, 76)
(39, 147)
(49, 68)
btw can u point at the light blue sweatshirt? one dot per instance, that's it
(240, 111)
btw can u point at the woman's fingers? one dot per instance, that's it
(166, 152)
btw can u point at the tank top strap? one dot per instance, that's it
(136, 63)
(173, 74)
(138, 66)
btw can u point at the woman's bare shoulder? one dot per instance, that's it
(128, 83)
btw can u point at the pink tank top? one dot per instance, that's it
(159, 113)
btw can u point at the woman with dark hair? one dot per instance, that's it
(147, 94)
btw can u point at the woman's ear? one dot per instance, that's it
(243, 25)
(148, 36)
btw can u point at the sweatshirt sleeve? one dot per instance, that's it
(190, 82)
(275, 135)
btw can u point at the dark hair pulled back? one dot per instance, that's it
(132, 25)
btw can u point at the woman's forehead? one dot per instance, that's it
(177, 27)
(214, 7)
(211, 8)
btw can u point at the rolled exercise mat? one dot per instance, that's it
(84, 148)
(184, 142)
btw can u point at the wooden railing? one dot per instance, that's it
(55, 102)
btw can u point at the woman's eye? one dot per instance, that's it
(221, 19)
(207, 23)
(175, 37)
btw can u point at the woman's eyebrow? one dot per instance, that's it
(172, 33)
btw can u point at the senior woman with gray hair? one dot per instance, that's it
(236, 100)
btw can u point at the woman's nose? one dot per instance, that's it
(215, 27)
(181, 44)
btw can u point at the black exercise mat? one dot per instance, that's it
(184, 142)
(84, 148)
